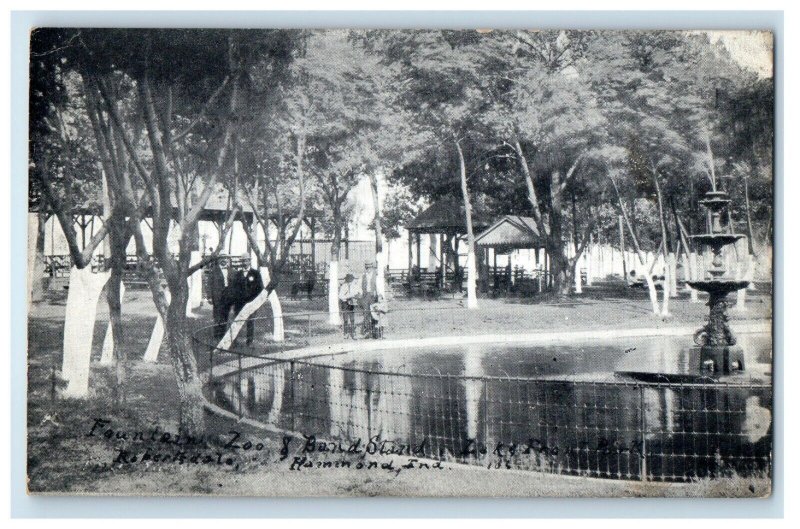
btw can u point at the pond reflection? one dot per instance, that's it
(461, 404)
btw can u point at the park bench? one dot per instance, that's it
(424, 284)
(641, 283)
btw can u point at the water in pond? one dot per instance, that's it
(663, 354)
(478, 403)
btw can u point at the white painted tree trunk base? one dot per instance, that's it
(195, 283)
(157, 336)
(334, 318)
(651, 289)
(666, 287)
(249, 309)
(687, 273)
(380, 273)
(278, 333)
(590, 266)
(81, 312)
(472, 291)
(665, 295)
(672, 266)
(108, 343)
(647, 265)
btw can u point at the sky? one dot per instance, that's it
(751, 49)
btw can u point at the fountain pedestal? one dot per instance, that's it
(716, 344)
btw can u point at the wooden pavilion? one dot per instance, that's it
(216, 211)
(445, 218)
(507, 234)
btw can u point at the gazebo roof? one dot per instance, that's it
(511, 232)
(446, 216)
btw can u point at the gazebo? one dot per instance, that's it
(445, 218)
(509, 233)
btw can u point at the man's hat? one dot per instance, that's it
(348, 277)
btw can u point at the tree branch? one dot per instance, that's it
(185, 132)
(532, 198)
(224, 235)
(571, 172)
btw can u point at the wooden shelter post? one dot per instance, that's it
(302, 250)
(442, 264)
(538, 269)
(410, 250)
(312, 226)
(419, 253)
(494, 269)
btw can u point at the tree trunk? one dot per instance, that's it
(278, 334)
(664, 245)
(561, 267)
(665, 292)
(560, 271)
(334, 318)
(114, 295)
(577, 277)
(672, 264)
(37, 266)
(195, 285)
(380, 261)
(240, 320)
(190, 388)
(472, 293)
(643, 261)
(156, 335)
(114, 315)
(647, 265)
(250, 308)
(590, 261)
(81, 311)
(117, 240)
(651, 288)
(577, 267)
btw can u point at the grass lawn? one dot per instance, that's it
(68, 451)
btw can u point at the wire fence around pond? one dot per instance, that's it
(618, 428)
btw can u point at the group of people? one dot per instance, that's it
(364, 296)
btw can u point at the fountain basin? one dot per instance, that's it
(714, 204)
(719, 286)
(720, 359)
(716, 195)
(717, 240)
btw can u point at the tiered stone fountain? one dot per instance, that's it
(716, 343)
